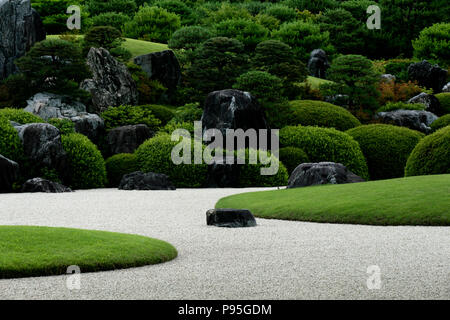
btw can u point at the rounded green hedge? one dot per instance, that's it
(10, 145)
(119, 165)
(386, 148)
(444, 99)
(441, 122)
(20, 116)
(326, 144)
(85, 164)
(154, 155)
(431, 155)
(291, 157)
(164, 114)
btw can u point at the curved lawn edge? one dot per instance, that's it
(34, 251)
(422, 200)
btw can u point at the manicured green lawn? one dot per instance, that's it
(316, 82)
(423, 200)
(43, 251)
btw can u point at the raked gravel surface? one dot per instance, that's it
(275, 260)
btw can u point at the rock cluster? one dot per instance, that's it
(145, 181)
(428, 75)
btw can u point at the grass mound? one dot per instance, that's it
(42, 251)
(420, 200)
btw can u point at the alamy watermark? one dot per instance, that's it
(374, 20)
(374, 280)
(73, 281)
(74, 21)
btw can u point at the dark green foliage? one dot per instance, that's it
(246, 31)
(434, 44)
(14, 91)
(10, 144)
(119, 165)
(262, 85)
(54, 16)
(162, 113)
(392, 106)
(85, 164)
(102, 37)
(170, 127)
(150, 91)
(315, 6)
(444, 100)
(441, 122)
(19, 116)
(292, 157)
(154, 155)
(178, 7)
(431, 155)
(189, 38)
(399, 68)
(128, 115)
(97, 7)
(65, 126)
(324, 144)
(281, 12)
(188, 113)
(386, 148)
(112, 19)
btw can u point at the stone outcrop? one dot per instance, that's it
(42, 185)
(427, 75)
(430, 102)
(414, 119)
(145, 181)
(318, 64)
(20, 28)
(127, 139)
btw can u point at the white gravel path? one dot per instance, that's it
(275, 260)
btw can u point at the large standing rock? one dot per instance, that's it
(112, 84)
(42, 145)
(145, 181)
(20, 28)
(162, 66)
(230, 218)
(310, 174)
(232, 109)
(9, 172)
(430, 102)
(126, 139)
(427, 75)
(223, 173)
(42, 185)
(49, 105)
(414, 119)
(318, 64)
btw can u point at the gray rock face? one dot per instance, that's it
(49, 105)
(431, 103)
(427, 75)
(112, 84)
(388, 78)
(230, 218)
(162, 66)
(310, 174)
(9, 172)
(42, 145)
(42, 185)
(222, 174)
(414, 119)
(145, 181)
(20, 28)
(318, 64)
(126, 139)
(446, 88)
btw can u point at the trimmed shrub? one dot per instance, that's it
(291, 157)
(188, 113)
(434, 44)
(85, 164)
(112, 19)
(172, 126)
(10, 144)
(444, 99)
(262, 85)
(431, 155)
(441, 122)
(281, 12)
(250, 174)
(386, 148)
(162, 113)
(154, 155)
(102, 37)
(399, 68)
(392, 106)
(324, 144)
(97, 7)
(321, 114)
(248, 32)
(189, 38)
(19, 116)
(128, 115)
(119, 165)
(65, 126)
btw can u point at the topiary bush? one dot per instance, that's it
(325, 144)
(291, 157)
(248, 32)
(444, 99)
(10, 144)
(85, 164)
(262, 85)
(65, 126)
(441, 122)
(386, 148)
(162, 113)
(154, 155)
(19, 116)
(431, 155)
(119, 165)
(128, 115)
(321, 114)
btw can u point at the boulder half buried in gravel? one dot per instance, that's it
(145, 181)
(230, 218)
(9, 172)
(310, 174)
(42, 185)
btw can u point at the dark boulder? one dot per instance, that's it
(310, 174)
(427, 75)
(145, 181)
(430, 102)
(9, 172)
(230, 218)
(413, 119)
(318, 64)
(42, 185)
(223, 173)
(42, 145)
(112, 84)
(127, 139)
(20, 28)
(162, 66)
